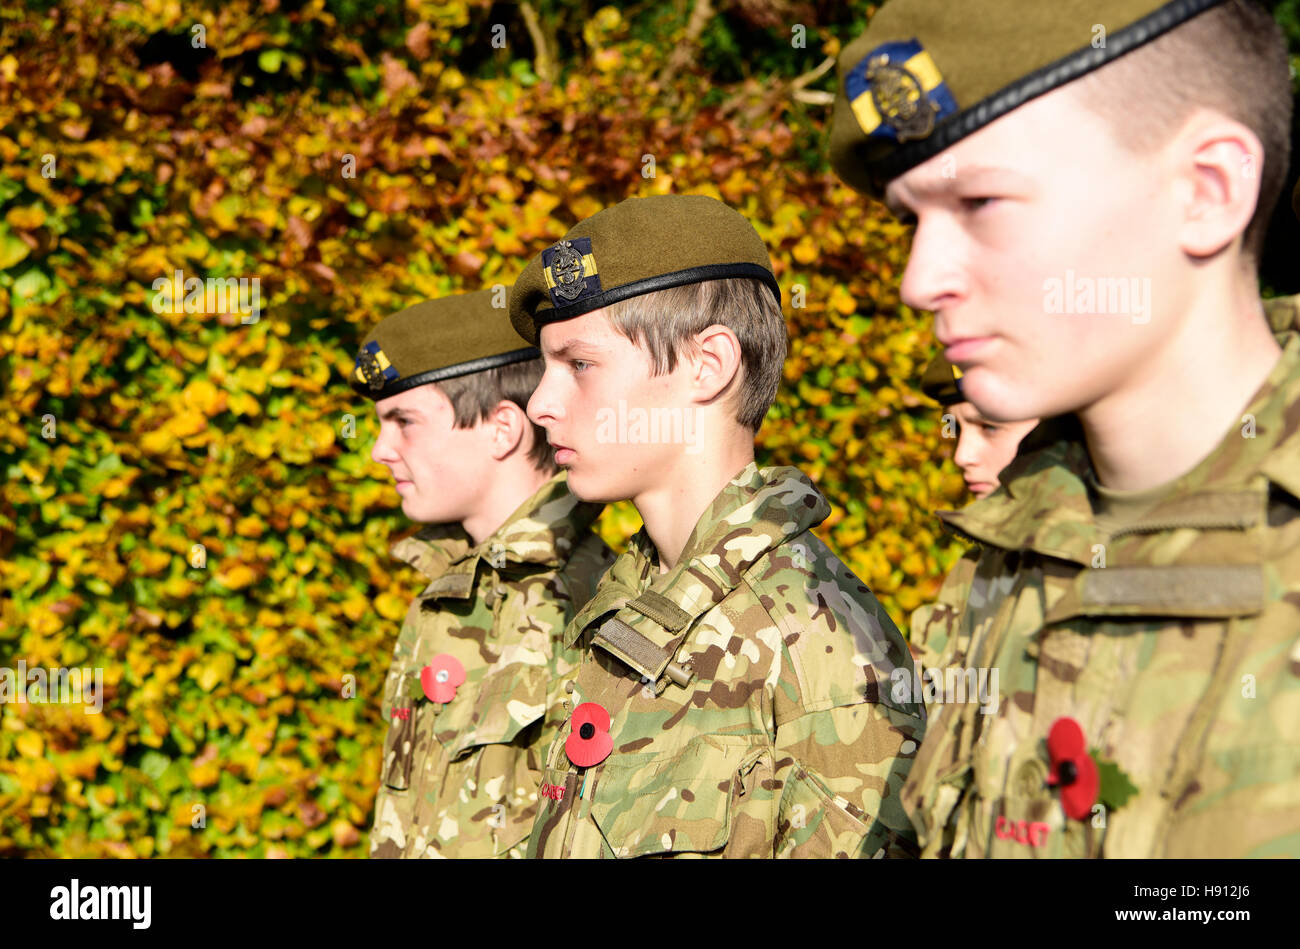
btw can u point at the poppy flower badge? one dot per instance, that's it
(1072, 768)
(1084, 777)
(589, 743)
(441, 677)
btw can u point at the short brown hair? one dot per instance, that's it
(474, 396)
(1232, 58)
(664, 321)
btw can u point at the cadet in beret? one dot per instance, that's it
(984, 447)
(1090, 183)
(733, 695)
(472, 696)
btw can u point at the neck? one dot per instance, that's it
(672, 509)
(503, 497)
(1173, 412)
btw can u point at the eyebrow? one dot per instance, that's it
(572, 347)
(396, 413)
(1002, 177)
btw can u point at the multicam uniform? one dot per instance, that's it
(1169, 632)
(747, 691)
(460, 779)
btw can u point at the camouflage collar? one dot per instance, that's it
(756, 512)
(542, 532)
(1283, 315)
(1044, 506)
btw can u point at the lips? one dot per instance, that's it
(960, 348)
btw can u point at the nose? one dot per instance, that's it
(967, 454)
(933, 275)
(543, 409)
(382, 451)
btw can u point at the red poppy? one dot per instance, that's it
(440, 678)
(589, 743)
(1072, 768)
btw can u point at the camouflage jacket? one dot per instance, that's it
(1174, 643)
(460, 779)
(747, 695)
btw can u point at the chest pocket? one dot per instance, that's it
(508, 702)
(679, 803)
(494, 762)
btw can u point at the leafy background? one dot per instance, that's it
(227, 683)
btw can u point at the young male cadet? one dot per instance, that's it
(472, 697)
(1090, 184)
(732, 698)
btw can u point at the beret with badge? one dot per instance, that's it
(927, 73)
(436, 340)
(637, 246)
(941, 381)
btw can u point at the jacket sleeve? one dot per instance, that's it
(840, 770)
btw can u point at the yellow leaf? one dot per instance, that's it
(237, 577)
(30, 744)
(216, 670)
(389, 606)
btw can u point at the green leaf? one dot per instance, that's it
(269, 60)
(1115, 786)
(154, 763)
(30, 284)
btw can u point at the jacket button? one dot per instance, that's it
(1031, 779)
(568, 687)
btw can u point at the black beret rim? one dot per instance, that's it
(450, 372)
(1040, 82)
(636, 288)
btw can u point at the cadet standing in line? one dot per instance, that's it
(984, 448)
(732, 698)
(1091, 183)
(472, 697)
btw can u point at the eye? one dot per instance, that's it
(579, 364)
(989, 428)
(976, 204)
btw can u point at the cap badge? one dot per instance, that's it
(570, 270)
(897, 92)
(373, 367)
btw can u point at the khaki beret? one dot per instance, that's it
(927, 73)
(941, 382)
(637, 246)
(436, 340)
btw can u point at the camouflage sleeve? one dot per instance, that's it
(841, 770)
(843, 745)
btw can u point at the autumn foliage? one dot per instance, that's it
(190, 504)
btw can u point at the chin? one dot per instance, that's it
(588, 488)
(1002, 403)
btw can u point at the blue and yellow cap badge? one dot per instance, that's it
(570, 271)
(373, 367)
(897, 92)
